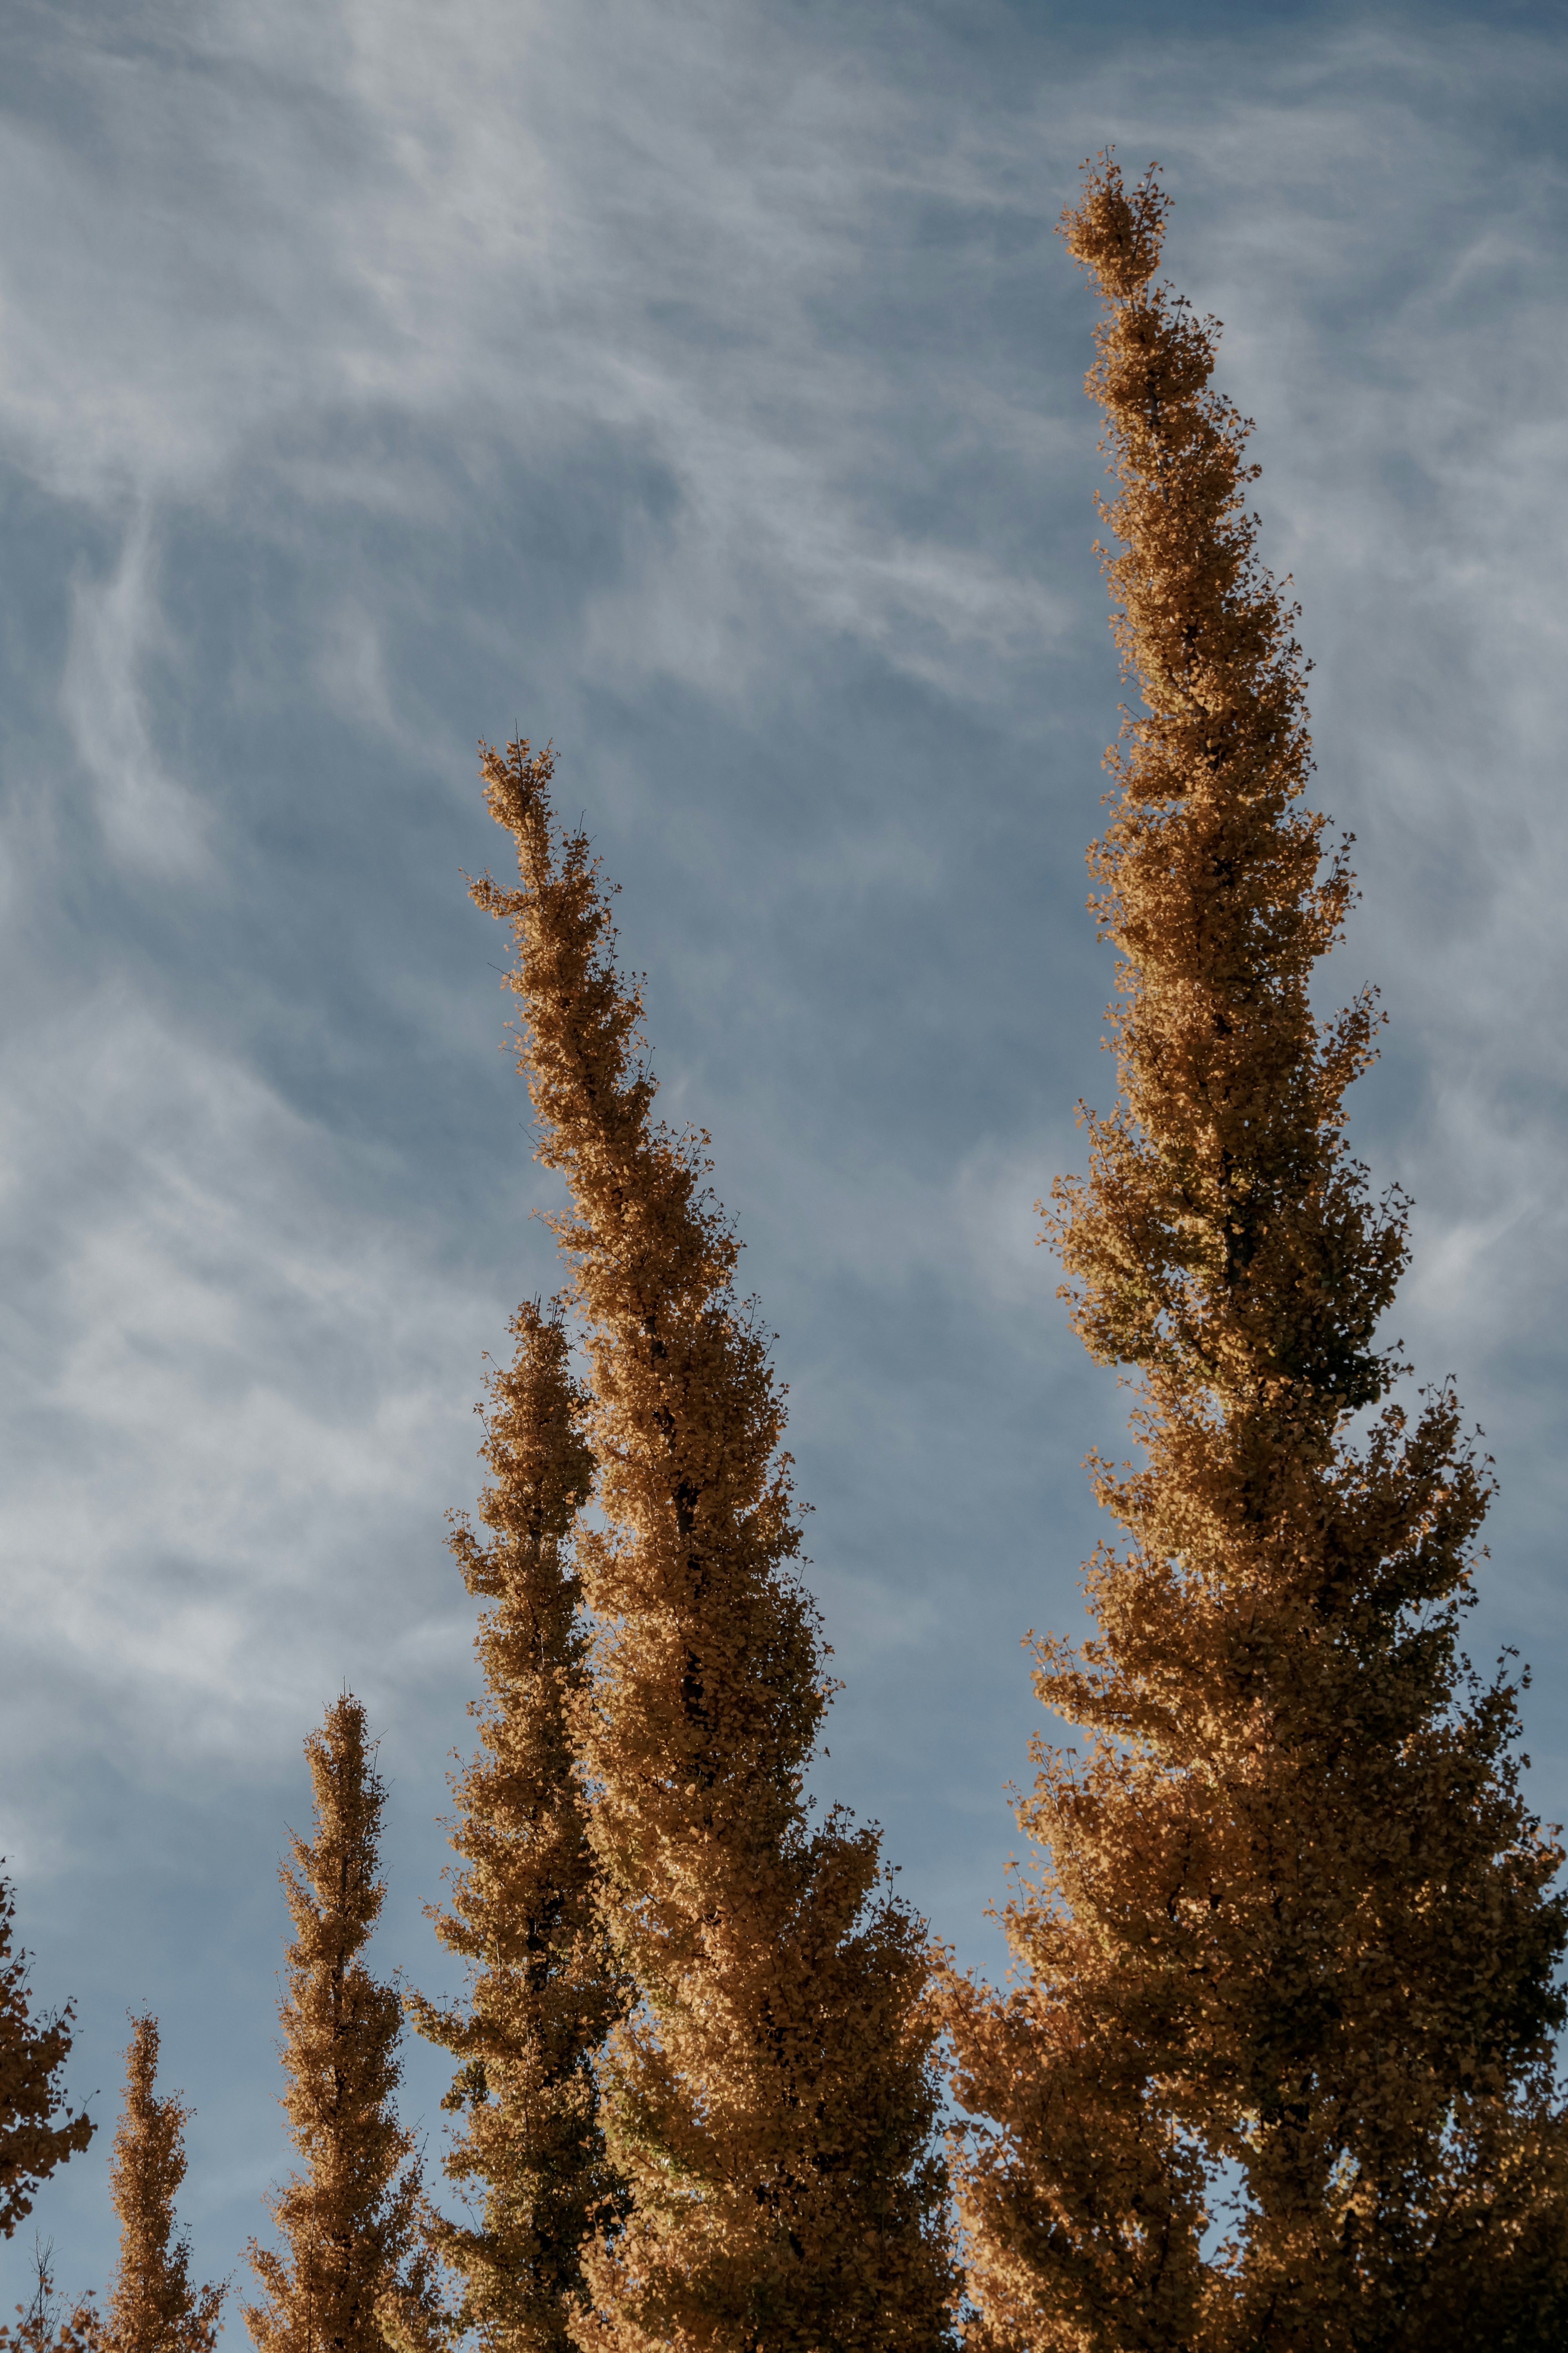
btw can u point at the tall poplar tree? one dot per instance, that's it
(350, 2218)
(1292, 1929)
(770, 2100)
(154, 2305)
(523, 1913)
(37, 2132)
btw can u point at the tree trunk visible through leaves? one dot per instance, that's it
(350, 2219)
(770, 2101)
(524, 1911)
(1291, 1929)
(37, 2131)
(153, 2305)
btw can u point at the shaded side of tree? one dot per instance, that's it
(524, 1911)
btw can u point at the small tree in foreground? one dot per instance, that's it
(154, 2308)
(1293, 1927)
(43, 2325)
(37, 2131)
(525, 1914)
(770, 2101)
(350, 2219)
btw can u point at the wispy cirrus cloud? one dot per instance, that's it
(150, 820)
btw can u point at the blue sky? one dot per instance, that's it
(699, 386)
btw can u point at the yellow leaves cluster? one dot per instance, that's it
(770, 2100)
(1293, 1922)
(348, 2220)
(154, 2307)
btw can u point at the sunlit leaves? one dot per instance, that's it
(1291, 1929)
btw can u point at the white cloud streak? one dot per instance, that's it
(230, 1384)
(149, 821)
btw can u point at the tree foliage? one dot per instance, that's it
(1292, 1926)
(43, 2324)
(770, 2100)
(37, 2132)
(154, 2307)
(525, 1914)
(350, 2218)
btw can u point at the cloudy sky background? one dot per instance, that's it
(699, 386)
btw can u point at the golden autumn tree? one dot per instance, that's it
(1292, 1930)
(524, 1915)
(350, 2218)
(38, 2131)
(154, 2305)
(770, 2100)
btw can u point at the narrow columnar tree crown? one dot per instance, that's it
(1292, 1929)
(38, 2131)
(154, 2307)
(524, 1915)
(349, 2218)
(769, 2101)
